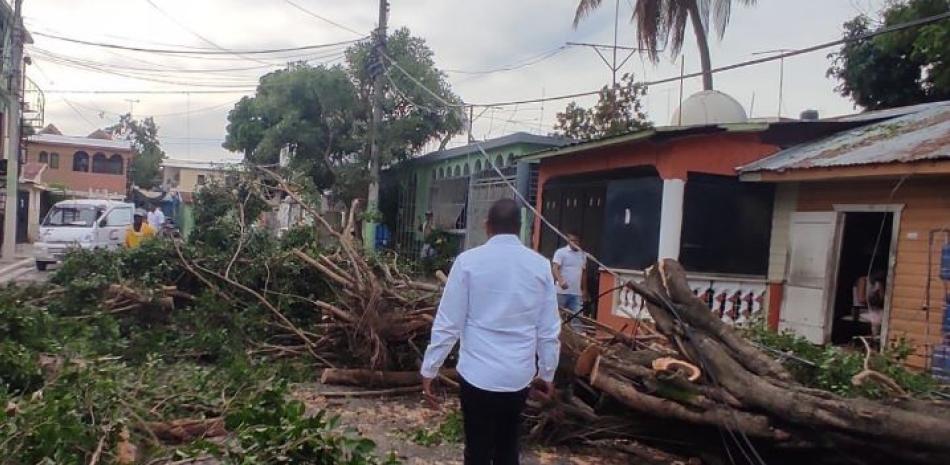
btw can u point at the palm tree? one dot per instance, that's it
(663, 22)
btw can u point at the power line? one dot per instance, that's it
(168, 72)
(898, 27)
(145, 92)
(842, 41)
(324, 19)
(198, 34)
(77, 64)
(192, 52)
(87, 120)
(518, 65)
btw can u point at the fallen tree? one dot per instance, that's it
(741, 391)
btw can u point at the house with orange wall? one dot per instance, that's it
(95, 166)
(872, 200)
(672, 192)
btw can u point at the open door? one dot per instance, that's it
(811, 252)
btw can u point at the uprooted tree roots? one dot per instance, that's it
(743, 399)
(376, 312)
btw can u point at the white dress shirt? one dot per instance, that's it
(501, 301)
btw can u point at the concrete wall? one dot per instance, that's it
(427, 172)
(186, 179)
(80, 181)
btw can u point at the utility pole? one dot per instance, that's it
(12, 145)
(378, 69)
(132, 103)
(471, 122)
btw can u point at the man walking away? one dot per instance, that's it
(501, 302)
(568, 268)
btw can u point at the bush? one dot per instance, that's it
(831, 368)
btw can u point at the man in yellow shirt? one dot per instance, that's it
(139, 230)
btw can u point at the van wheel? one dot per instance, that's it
(41, 266)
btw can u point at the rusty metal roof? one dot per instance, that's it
(917, 136)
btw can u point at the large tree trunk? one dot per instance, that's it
(702, 43)
(743, 395)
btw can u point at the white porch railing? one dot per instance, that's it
(735, 300)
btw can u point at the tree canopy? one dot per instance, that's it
(898, 68)
(322, 114)
(143, 134)
(618, 111)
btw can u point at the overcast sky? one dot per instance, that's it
(468, 37)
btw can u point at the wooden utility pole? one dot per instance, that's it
(378, 68)
(12, 145)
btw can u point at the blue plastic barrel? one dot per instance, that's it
(945, 263)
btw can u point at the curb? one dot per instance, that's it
(17, 264)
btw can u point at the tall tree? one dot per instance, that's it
(143, 134)
(662, 23)
(899, 68)
(323, 113)
(618, 111)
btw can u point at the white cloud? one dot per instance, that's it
(467, 35)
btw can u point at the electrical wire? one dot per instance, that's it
(199, 35)
(895, 28)
(324, 19)
(518, 65)
(813, 48)
(158, 71)
(194, 52)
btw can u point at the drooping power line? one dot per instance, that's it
(172, 51)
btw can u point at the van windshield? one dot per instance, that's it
(80, 216)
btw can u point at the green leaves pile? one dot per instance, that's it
(831, 368)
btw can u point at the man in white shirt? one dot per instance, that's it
(568, 267)
(500, 301)
(158, 217)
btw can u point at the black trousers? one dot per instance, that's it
(491, 421)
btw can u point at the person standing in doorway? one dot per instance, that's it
(568, 266)
(500, 301)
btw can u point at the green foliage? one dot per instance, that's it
(444, 248)
(272, 429)
(24, 332)
(898, 68)
(831, 368)
(322, 114)
(449, 431)
(146, 165)
(618, 111)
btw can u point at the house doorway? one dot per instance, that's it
(862, 274)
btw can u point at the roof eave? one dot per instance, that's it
(851, 172)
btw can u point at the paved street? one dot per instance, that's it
(23, 271)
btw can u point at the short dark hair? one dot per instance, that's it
(504, 217)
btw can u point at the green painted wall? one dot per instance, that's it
(424, 172)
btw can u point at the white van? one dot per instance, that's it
(89, 224)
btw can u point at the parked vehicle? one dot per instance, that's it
(88, 224)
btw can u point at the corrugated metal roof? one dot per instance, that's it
(498, 142)
(917, 136)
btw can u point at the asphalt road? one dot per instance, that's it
(22, 272)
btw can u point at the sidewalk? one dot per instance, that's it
(23, 251)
